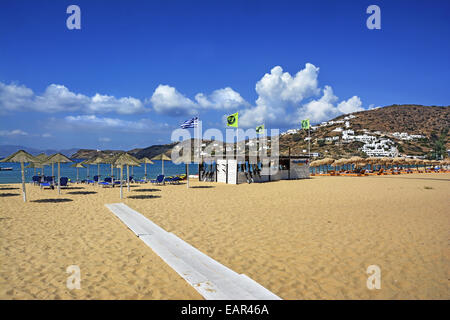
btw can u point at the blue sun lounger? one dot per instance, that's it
(159, 179)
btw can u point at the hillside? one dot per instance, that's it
(430, 122)
(413, 119)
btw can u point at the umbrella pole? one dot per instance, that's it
(121, 175)
(88, 171)
(23, 184)
(162, 164)
(187, 174)
(145, 175)
(132, 171)
(128, 178)
(77, 174)
(98, 172)
(59, 178)
(53, 174)
(112, 174)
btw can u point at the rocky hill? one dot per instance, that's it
(430, 122)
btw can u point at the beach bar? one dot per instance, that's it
(234, 171)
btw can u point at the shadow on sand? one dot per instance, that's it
(144, 196)
(9, 194)
(202, 187)
(71, 188)
(146, 190)
(82, 192)
(9, 188)
(52, 200)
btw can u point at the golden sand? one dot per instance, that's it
(305, 239)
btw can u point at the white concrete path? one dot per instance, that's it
(211, 279)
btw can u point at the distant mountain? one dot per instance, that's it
(90, 153)
(6, 150)
(152, 151)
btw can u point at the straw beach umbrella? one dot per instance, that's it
(35, 165)
(124, 159)
(78, 165)
(97, 160)
(58, 158)
(21, 157)
(145, 161)
(41, 158)
(163, 158)
(314, 164)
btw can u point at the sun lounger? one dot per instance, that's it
(159, 179)
(63, 181)
(44, 185)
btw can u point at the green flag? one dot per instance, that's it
(232, 120)
(260, 129)
(305, 124)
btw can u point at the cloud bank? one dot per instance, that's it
(282, 100)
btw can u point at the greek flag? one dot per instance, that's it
(191, 123)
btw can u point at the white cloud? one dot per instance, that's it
(167, 100)
(13, 97)
(58, 98)
(225, 98)
(46, 135)
(16, 132)
(283, 100)
(351, 105)
(94, 121)
(104, 139)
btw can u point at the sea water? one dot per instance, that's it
(153, 170)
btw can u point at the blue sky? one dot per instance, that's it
(137, 69)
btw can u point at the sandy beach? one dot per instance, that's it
(301, 239)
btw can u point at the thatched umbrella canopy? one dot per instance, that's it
(96, 160)
(162, 157)
(314, 163)
(35, 165)
(146, 161)
(339, 162)
(398, 160)
(78, 165)
(355, 160)
(58, 158)
(326, 161)
(22, 157)
(124, 159)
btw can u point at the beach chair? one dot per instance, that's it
(176, 180)
(159, 180)
(47, 183)
(36, 180)
(63, 181)
(168, 179)
(107, 182)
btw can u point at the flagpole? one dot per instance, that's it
(309, 142)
